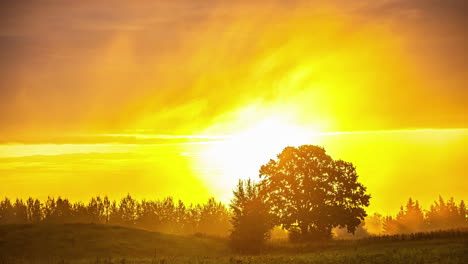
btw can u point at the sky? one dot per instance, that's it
(183, 98)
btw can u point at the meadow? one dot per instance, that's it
(101, 244)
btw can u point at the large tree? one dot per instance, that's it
(310, 193)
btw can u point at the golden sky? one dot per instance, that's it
(184, 97)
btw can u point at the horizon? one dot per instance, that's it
(56, 153)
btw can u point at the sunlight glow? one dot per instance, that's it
(241, 155)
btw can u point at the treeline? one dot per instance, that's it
(441, 215)
(412, 219)
(166, 215)
(212, 217)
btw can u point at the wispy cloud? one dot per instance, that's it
(178, 67)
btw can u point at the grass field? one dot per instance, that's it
(98, 244)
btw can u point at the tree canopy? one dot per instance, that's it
(251, 219)
(310, 193)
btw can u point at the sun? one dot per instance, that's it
(241, 155)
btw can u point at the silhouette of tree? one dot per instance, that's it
(63, 211)
(96, 210)
(214, 218)
(311, 193)
(463, 214)
(442, 215)
(193, 216)
(115, 214)
(58, 211)
(183, 219)
(411, 218)
(49, 209)
(106, 207)
(167, 215)
(20, 212)
(163, 214)
(211, 218)
(146, 215)
(251, 220)
(7, 215)
(80, 213)
(34, 210)
(446, 215)
(128, 210)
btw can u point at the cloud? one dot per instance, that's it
(180, 67)
(128, 139)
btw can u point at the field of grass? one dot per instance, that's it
(98, 244)
(73, 241)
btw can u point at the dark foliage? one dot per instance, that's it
(310, 193)
(442, 215)
(211, 218)
(251, 219)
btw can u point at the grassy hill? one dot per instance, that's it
(92, 240)
(101, 244)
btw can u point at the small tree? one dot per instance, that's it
(128, 208)
(412, 218)
(462, 212)
(95, 210)
(311, 193)
(7, 214)
(214, 218)
(20, 211)
(107, 204)
(251, 220)
(34, 210)
(446, 215)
